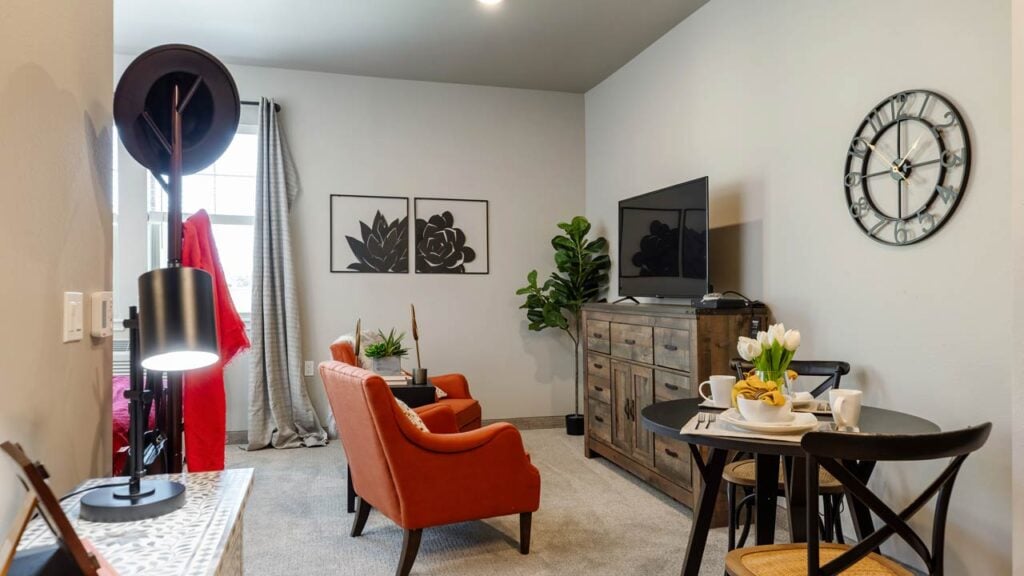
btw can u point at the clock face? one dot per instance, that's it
(906, 167)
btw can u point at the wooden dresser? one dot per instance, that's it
(637, 355)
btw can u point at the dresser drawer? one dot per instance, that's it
(669, 386)
(672, 458)
(600, 420)
(599, 379)
(672, 348)
(632, 342)
(598, 338)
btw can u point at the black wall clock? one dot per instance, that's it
(906, 168)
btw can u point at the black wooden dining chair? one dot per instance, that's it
(741, 474)
(837, 453)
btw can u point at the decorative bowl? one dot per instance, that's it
(758, 411)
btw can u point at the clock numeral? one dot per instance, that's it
(950, 121)
(853, 179)
(859, 147)
(901, 233)
(876, 120)
(950, 159)
(903, 100)
(947, 193)
(927, 222)
(924, 104)
(860, 208)
(878, 227)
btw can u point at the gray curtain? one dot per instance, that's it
(280, 412)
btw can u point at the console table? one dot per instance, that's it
(638, 355)
(202, 538)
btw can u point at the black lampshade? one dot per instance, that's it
(177, 320)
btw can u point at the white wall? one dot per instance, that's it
(521, 150)
(55, 73)
(1017, 67)
(763, 97)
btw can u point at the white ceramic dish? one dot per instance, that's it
(758, 411)
(801, 422)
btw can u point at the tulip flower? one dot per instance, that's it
(791, 340)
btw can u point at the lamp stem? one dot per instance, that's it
(174, 177)
(136, 404)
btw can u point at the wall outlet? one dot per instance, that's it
(309, 368)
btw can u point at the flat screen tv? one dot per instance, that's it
(663, 242)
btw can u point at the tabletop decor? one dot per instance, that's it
(386, 355)
(771, 354)
(419, 373)
(582, 273)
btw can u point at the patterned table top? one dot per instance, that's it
(191, 540)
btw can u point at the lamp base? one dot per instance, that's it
(156, 498)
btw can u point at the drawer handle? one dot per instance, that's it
(671, 347)
(598, 388)
(597, 335)
(672, 453)
(598, 366)
(599, 419)
(671, 386)
(630, 341)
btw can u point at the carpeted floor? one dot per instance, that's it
(594, 519)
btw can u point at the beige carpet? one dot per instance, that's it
(594, 519)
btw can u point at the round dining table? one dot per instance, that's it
(668, 418)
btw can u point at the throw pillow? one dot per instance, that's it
(440, 393)
(412, 416)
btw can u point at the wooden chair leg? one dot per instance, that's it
(362, 513)
(410, 547)
(525, 527)
(730, 496)
(837, 502)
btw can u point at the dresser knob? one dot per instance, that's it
(630, 342)
(671, 347)
(671, 386)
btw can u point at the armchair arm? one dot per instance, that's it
(465, 441)
(439, 419)
(455, 385)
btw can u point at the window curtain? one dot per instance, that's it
(280, 412)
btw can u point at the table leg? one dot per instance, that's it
(767, 489)
(351, 494)
(795, 470)
(862, 522)
(711, 474)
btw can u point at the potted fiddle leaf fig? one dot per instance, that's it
(582, 272)
(386, 355)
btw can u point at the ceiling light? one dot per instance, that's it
(490, 2)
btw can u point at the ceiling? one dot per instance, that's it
(564, 45)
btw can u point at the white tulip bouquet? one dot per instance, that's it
(771, 352)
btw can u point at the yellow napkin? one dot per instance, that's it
(753, 388)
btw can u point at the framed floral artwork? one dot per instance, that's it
(451, 236)
(369, 234)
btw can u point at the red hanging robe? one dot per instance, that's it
(204, 405)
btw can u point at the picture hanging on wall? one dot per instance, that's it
(369, 234)
(451, 236)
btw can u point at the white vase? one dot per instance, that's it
(387, 366)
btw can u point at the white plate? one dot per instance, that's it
(801, 422)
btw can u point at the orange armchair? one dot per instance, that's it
(467, 410)
(423, 479)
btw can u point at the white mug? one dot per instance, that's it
(845, 407)
(721, 390)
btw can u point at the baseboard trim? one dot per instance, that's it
(532, 422)
(238, 437)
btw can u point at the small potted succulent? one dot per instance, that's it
(386, 355)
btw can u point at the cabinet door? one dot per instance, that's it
(622, 398)
(642, 380)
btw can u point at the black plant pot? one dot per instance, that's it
(574, 424)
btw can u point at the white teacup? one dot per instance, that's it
(720, 390)
(845, 407)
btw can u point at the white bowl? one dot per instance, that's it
(758, 411)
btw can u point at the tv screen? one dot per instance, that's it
(663, 242)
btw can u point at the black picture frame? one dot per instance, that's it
(467, 238)
(396, 220)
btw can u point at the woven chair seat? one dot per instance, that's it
(791, 560)
(744, 473)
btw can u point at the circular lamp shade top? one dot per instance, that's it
(209, 121)
(177, 320)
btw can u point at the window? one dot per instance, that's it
(227, 191)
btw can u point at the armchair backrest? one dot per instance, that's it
(364, 409)
(344, 351)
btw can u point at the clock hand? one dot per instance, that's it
(892, 164)
(912, 147)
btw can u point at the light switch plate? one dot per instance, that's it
(73, 316)
(102, 317)
(309, 368)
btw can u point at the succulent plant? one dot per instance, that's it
(384, 247)
(389, 345)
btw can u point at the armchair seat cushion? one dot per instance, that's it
(467, 412)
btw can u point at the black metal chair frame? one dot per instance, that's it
(831, 524)
(840, 454)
